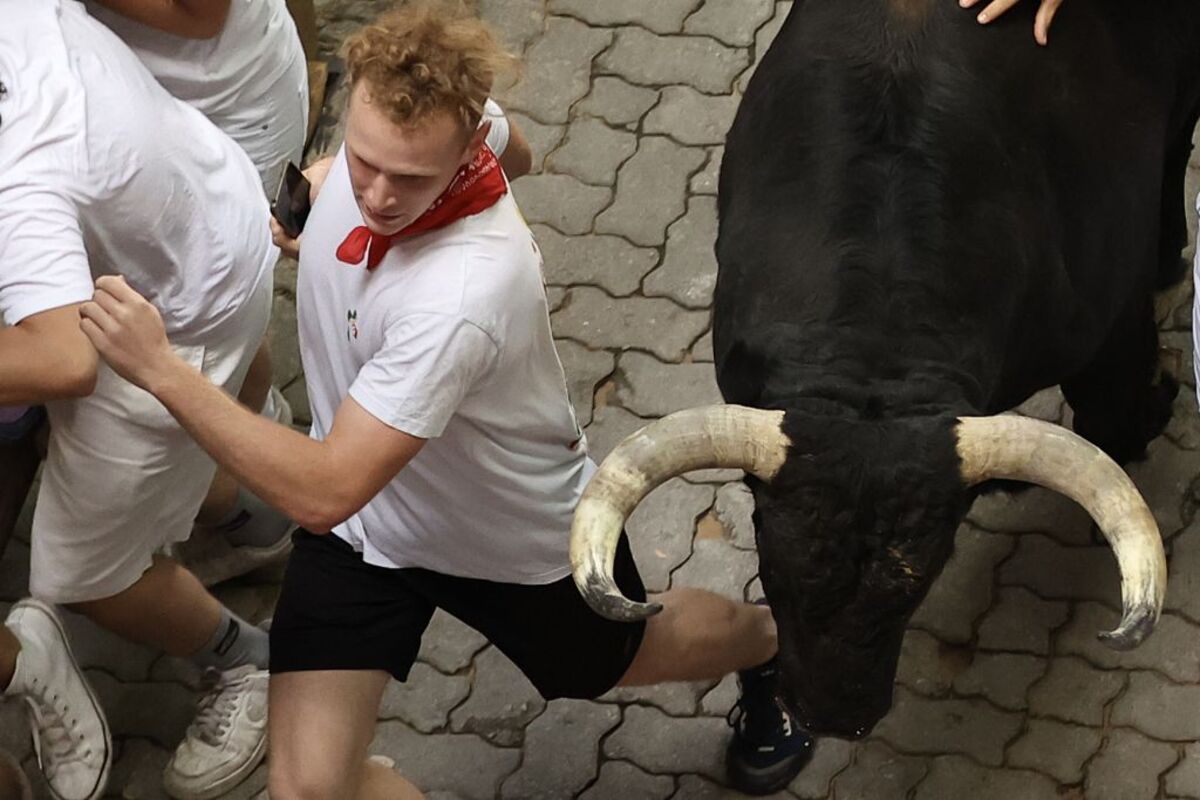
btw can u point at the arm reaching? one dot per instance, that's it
(1041, 25)
(191, 19)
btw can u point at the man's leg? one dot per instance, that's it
(700, 635)
(322, 723)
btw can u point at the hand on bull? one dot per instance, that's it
(1041, 25)
(128, 332)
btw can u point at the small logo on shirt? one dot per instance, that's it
(351, 324)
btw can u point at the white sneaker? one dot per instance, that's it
(277, 407)
(70, 734)
(226, 741)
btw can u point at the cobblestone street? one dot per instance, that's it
(1005, 692)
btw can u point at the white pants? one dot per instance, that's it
(122, 478)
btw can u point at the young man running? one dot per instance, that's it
(102, 172)
(445, 456)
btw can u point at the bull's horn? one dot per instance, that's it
(700, 438)
(1038, 452)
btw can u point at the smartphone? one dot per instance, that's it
(292, 202)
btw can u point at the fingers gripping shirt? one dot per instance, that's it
(428, 364)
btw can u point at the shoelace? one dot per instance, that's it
(56, 737)
(216, 708)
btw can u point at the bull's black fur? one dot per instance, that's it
(922, 219)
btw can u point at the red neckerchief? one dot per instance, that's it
(476, 187)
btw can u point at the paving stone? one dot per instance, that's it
(562, 750)
(1021, 621)
(692, 118)
(650, 191)
(601, 321)
(593, 152)
(1128, 767)
(463, 764)
(449, 645)
(560, 201)
(1057, 749)
(702, 350)
(662, 527)
(1183, 585)
(650, 388)
(1002, 678)
(617, 102)
(555, 295)
(926, 665)
(609, 262)
(1173, 648)
(160, 712)
(953, 776)
(763, 39)
(719, 567)
(1035, 510)
(1074, 691)
(929, 726)
(283, 336)
(543, 139)
(610, 426)
(138, 770)
(734, 22)
(296, 394)
(517, 22)
(878, 773)
(501, 704)
(645, 59)
(584, 370)
(1159, 708)
(425, 700)
(706, 181)
(1184, 427)
(1163, 478)
(1046, 405)
(692, 787)
(720, 699)
(1184, 779)
(964, 589)
(557, 70)
(1063, 573)
(678, 699)
(658, 743)
(830, 756)
(688, 273)
(734, 509)
(621, 779)
(663, 16)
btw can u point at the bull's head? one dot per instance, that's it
(842, 606)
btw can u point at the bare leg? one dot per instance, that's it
(320, 726)
(10, 646)
(700, 635)
(223, 492)
(167, 609)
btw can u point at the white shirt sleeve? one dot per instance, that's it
(43, 263)
(429, 362)
(497, 137)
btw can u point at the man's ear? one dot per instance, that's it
(478, 139)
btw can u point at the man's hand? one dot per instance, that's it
(316, 174)
(128, 332)
(1041, 25)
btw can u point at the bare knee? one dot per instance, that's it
(292, 781)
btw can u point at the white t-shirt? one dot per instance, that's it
(448, 339)
(103, 172)
(250, 80)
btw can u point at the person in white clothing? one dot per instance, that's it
(104, 173)
(445, 461)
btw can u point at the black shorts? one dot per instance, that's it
(336, 612)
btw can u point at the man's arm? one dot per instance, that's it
(317, 484)
(192, 19)
(517, 158)
(46, 357)
(1041, 24)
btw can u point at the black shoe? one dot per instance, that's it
(768, 749)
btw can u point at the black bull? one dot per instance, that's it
(921, 219)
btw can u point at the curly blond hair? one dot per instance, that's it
(425, 57)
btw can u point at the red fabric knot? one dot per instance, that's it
(476, 187)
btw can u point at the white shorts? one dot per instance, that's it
(122, 478)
